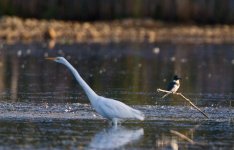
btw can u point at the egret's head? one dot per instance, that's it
(176, 77)
(61, 60)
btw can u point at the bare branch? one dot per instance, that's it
(180, 94)
(165, 95)
(165, 91)
(182, 136)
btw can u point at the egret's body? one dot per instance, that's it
(109, 108)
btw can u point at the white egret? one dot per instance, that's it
(109, 108)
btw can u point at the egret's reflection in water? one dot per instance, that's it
(115, 137)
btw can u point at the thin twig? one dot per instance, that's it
(193, 105)
(167, 92)
(165, 95)
(180, 94)
(182, 136)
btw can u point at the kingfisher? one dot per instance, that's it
(173, 86)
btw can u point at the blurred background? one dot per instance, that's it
(198, 11)
(145, 42)
(203, 21)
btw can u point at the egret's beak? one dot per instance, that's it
(50, 58)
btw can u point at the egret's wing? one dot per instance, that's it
(115, 109)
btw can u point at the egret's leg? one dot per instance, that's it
(115, 121)
(110, 123)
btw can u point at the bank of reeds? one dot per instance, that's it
(128, 30)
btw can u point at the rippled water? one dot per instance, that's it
(42, 106)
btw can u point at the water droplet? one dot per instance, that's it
(100, 72)
(233, 61)
(28, 51)
(115, 60)
(209, 75)
(173, 58)
(60, 51)
(68, 57)
(19, 53)
(156, 50)
(46, 54)
(183, 60)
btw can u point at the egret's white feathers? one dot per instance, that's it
(108, 108)
(111, 108)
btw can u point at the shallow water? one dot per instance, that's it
(64, 133)
(42, 106)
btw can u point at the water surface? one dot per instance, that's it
(42, 106)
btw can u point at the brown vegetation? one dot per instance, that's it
(128, 30)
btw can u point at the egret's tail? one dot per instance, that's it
(138, 114)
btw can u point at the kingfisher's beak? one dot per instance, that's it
(50, 58)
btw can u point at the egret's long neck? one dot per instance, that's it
(89, 92)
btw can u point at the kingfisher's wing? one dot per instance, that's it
(170, 86)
